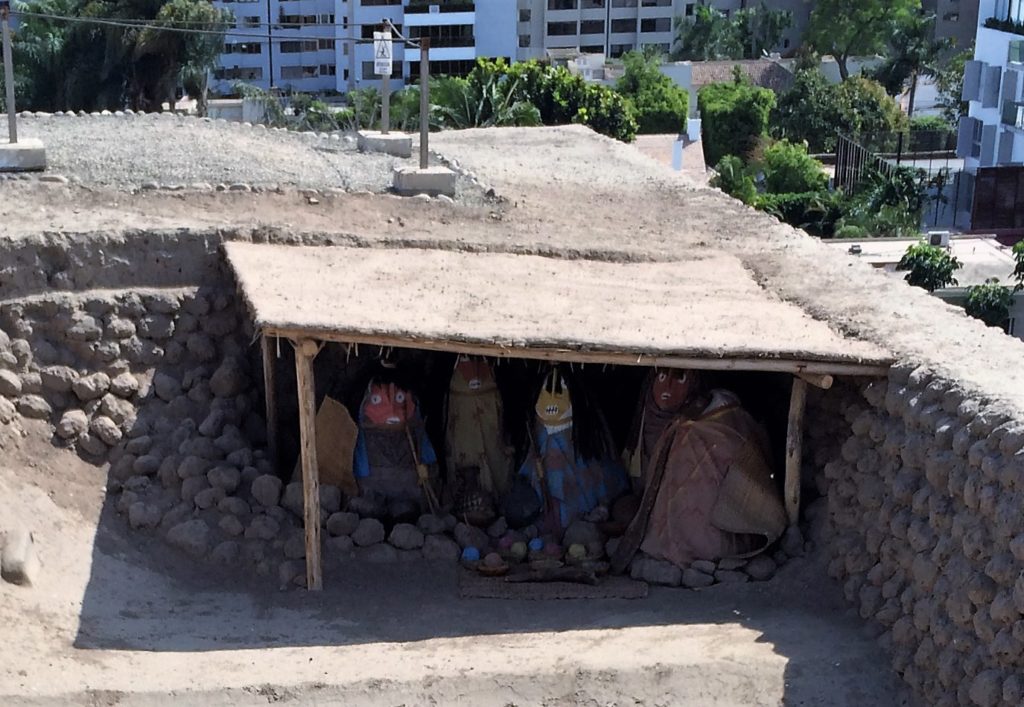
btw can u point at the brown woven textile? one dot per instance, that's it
(475, 586)
(336, 435)
(710, 494)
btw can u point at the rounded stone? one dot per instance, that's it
(342, 524)
(91, 387)
(266, 490)
(34, 407)
(406, 536)
(106, 429)
(262, 527)
(192, 536)
(231, 525)
(73, 423)
(224, 477)
(369, 532)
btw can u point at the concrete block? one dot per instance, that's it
(19, 563)
(409, 181)
(395, 144)
(26, 155)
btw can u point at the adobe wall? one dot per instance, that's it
(925, 529)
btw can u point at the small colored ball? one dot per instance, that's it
(470, 554)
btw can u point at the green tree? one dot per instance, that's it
(865, 108)
(929, 266)
(733, 177)
(661, 106)
(886, 204)
(761, 29)
(913, 52)
(789, 169)
(749, 34)
(990, 302)
(710, 35)
(808, 112)
(1018, 270)
(950, 82)
(486, 98)
(164, 58)
(848, 28)
(734, 117)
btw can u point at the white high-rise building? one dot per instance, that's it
(325, 45)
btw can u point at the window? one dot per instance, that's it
(976, 133)
(327, 19)
(561, 29)
(592, 49)
(445, 35)
(617, 50)
(374, 3)
(627, 25)
(689, 9)
(298, 72)
(328, 70)
(524, 40)
(1013, 114)
(298, 46)
(592, 27)
(368, 30)
(242, 73)
(660, 24)
(656, 3)
(1016, 53)
(344, 74)
(593, 4)
(296, 20)
(243, 48)
(561, 4)
(251, 20)
(524, 15)
(623, 3)
(325, 44)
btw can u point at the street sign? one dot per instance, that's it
(382, 53)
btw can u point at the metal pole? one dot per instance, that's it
(385, 92)
(12, 120)
(424, 100)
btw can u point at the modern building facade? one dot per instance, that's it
(326, 45)
(991, 136)
(954, 19)
(614, 27)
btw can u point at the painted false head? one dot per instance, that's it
(554, 404)
(672, 388)
(387, 405)
(472, 375)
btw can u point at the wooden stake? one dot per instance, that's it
(270, 398)
(305, 351)
(794, 448)
(818, 380)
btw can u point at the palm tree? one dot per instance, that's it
(914, 52)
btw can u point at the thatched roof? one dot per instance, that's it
(707, 307)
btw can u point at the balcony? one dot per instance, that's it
(433, 6)
(1008, 17)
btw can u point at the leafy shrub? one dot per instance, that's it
(661, 106)
(487, 97)
(886, 205)
(813, 110)
(789, 169)
(929, 123)
(734, 117)
(990, 302)
(815, 212)
(562, 97)
(929, 266)
(734, 179)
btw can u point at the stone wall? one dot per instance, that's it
(925, 529)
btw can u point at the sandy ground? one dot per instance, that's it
(115, 619)
(118, 620)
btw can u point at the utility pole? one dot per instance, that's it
(424, 100)
(12, 120)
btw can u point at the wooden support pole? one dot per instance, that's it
(305, 352)
(795, 448)
(270, 397)
(818, 380)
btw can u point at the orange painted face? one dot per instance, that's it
(672, 388)
(554, 405)
(472, 375)
(387, 405)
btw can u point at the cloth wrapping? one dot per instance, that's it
(716, 498)
(571, 487)
(474, 434)
(384, 461)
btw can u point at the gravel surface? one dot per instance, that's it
(127, 152)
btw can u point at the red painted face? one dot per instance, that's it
(672, 388)
(472, 374)
(387, 405)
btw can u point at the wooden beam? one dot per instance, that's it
(818, 380)
(555, 353)
(305, 352)
(795, 448)
(270, 397)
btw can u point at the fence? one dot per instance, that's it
(931, 153)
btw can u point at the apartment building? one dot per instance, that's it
(326, 45)
(954, 19)
(991, 136)
(613, 27)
